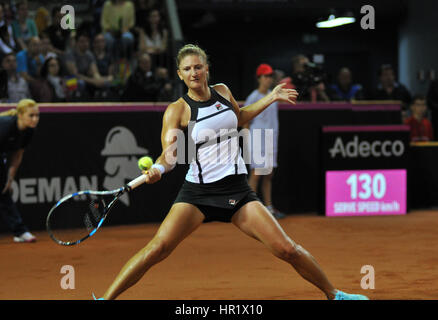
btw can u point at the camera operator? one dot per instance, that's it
(308, 78)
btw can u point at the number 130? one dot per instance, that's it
(375, 186)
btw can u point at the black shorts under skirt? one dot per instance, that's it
(218, 200)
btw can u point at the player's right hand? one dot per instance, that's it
(152, 175)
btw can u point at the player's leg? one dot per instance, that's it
(12, 218)
(256, 221)
(182, 220)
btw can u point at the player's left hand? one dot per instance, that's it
(285, 95)
(7, 186)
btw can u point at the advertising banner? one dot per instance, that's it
(364, 169)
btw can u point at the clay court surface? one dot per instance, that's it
(219, 262)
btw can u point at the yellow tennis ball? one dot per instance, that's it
(144, 163)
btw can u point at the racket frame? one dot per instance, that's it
(117, 194)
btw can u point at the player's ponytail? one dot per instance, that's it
(10, 112)
(21, 108)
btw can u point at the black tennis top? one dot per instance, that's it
(11, 138)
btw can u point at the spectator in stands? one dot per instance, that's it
(421, 128)
(59, 37)
(103, 59)
(344, 89)
(166, 91)
(47, 49)
(390, 89)
(117, 19)
(24, 27)
(432, 102)
(142, 84)
(30, 60)
(17, 87)
(105, 66)
(7, 42)
(51, 86)
(304, 83)
(80, 63)
(42, 19)
(142, 9)
(154, 38)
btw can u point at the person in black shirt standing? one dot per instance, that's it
(16, 130)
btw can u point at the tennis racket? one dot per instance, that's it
(78, 216)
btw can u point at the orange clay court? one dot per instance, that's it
(219, 262)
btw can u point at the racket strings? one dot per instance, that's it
(77, 217)
(96, 211)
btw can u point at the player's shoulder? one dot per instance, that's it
(176, 105)
(8, 120)
(176, 108)
(222, 89)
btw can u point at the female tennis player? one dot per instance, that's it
(215, 191)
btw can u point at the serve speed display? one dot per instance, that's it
(364, 170)
(365, 192)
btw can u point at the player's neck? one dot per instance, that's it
(202, 94)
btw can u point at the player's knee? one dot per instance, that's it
(287, 250)
(159, 248)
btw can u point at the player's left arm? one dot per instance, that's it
(249, 112)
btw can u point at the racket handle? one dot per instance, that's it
(137, 181)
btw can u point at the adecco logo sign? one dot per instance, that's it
(365, 149)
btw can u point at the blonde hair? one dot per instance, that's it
(22, 106)
(190, 49)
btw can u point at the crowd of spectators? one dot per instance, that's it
(125, 58)
(312, 83)
(94, 62)
(420, 112)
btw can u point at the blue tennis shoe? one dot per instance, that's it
(348, 296)
(94, 297)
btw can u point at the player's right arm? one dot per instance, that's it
(172, 124)
(15, 161)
